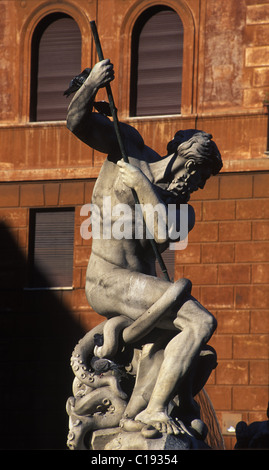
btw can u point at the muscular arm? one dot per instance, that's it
(94, 129)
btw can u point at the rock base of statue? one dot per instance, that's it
(117, 439)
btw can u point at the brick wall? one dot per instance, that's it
(38, 329)
(18, 198)
(256, 71)
(227, 260)
(226, 69)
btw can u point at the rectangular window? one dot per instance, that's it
(51, 244)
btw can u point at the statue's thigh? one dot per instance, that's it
(125, 293)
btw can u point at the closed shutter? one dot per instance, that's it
(51, 248)
(158, 62)
(56, 60)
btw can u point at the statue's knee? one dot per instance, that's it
(207, 326)
(214, 323)
(203, 326)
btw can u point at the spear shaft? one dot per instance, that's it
(113, 111)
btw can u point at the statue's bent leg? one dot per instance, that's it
(131, 294)
(151, 357)
(180, 355)
(172, 298)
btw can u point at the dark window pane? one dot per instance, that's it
(51, 248)
(157, 54)
(56, 58)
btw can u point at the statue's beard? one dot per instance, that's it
(180, 188)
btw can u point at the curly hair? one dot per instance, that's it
(198, 147)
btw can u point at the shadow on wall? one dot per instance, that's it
(37, 336)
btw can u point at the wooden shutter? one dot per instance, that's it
(56, 60)
(159, 65)
(51, 248)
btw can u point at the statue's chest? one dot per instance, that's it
(110, 185)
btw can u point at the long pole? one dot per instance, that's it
(120, 142)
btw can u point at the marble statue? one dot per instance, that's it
(137, 373)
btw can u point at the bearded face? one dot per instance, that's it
(193, 178)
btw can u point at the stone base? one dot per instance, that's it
(117, 439)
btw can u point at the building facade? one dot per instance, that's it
(200, 64)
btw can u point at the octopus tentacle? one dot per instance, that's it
(98, 400)
(83, 350)
(99, 409)
(111, 332)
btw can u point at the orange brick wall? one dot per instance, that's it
(16, 201)
(227, 259)
(43, 165)
(38, 329)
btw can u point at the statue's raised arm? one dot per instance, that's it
(94, 128)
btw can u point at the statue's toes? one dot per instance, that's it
(150, 432)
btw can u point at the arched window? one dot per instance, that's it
(56, 58)
(157, 56)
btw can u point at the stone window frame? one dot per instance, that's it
(45, 87)
(189, 74)
(27, 32)
(153, 107)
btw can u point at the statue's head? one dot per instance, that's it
(196, 158)
(197, 147)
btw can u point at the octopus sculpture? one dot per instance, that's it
(107, 369)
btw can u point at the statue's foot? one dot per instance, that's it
(130, 425)
(160, 421)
